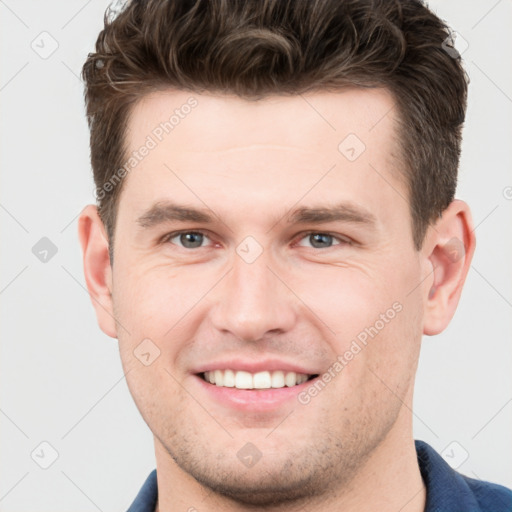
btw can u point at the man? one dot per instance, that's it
(276, 229)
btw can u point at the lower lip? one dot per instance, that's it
(255, 400)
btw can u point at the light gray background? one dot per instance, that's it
(61, 378)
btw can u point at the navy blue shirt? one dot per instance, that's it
(447, 490)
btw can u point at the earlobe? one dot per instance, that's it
(450, 248)
(97, 269)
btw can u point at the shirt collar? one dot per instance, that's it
(446, 489)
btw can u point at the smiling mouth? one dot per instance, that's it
(260, 380)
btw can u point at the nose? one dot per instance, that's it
(253, 302)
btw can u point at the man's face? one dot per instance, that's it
(260, 288)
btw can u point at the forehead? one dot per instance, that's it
(323, 146)
(211, 122)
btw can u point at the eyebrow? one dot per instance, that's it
(346, 212)
(166, 211)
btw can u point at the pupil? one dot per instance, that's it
(321, 238)
(195, 240)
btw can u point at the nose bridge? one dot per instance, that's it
(252, 300)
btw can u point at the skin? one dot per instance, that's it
(252, 162)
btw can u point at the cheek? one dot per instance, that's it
(352, 301)
(373, 312)
(392, 346)
(153, 299)
(159, 308)
(347, 298)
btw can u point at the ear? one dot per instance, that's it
(97, 269)
(448, 251)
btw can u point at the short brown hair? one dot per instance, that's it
(256, 48)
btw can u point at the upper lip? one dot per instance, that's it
(252, 366)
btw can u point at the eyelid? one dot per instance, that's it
(165, 238)
(343, 240)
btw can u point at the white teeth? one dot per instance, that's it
(290, 379)
(243, 380)
(278, 379)
(229, 379)
(259, 380)
(301, 378)
(219, 377)
(262, 380)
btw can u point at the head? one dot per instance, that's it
(275, 185)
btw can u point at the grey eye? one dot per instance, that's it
(319, 240)
(190, 239)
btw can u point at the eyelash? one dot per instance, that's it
(341, 240)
